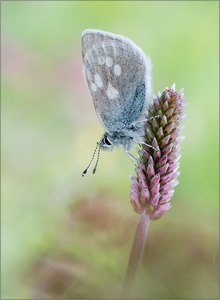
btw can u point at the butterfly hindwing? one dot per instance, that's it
(117, 74)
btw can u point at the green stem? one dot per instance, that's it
(136, 254)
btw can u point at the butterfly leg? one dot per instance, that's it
(140, 121)
(150, 146)
(127, 147)
(131, 156)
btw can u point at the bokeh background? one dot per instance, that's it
(64, 236)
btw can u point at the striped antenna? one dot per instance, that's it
(94, 170)
(86, 170)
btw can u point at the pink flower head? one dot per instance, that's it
(158, 164)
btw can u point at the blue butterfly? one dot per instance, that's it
(118, 75)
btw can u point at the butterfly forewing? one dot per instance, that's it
(117, 76)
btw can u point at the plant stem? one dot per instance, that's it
(136, 254)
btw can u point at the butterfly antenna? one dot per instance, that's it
(94, 170)
(86, 170)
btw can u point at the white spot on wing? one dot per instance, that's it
(101, 60)
(98, 80)
(117, 70)
(109, 61)
(93, 87)
(89, 75)
(111, 92)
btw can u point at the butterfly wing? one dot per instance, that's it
(118, 77)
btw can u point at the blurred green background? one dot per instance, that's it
(64, 236)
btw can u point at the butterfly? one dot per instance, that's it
(118, 75)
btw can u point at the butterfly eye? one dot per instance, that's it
(106, 141)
